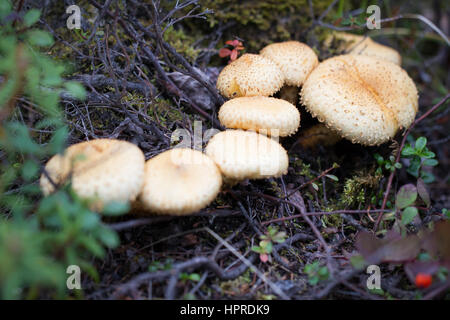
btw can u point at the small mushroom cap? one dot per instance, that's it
(295, 59)
(106, 169)
(363, 98)
(180, 181)
(360, 45)
(247, 155)
(271, 116)
(250, 75)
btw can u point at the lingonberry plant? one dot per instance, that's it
(316, 273)
(266, 244)
(419, 157)
(39, 237)
(232, 49)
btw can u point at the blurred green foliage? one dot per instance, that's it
(39, 237)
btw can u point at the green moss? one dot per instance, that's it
(164, 113)
(359, 188)
(259, 23)
(302, 168)
(332, 220)
(182, 42)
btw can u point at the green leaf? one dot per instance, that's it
(29, 170)
(109, 237)
(408, 215)
(31, 17)
(266, 246)
(89, 220)
(428, 154)
(408, 151)
(315, 186)
(194, 277)
(406, 196)
(257, 249)
(5, 8)
(40, 38)
(323, 273)
(332, 177)
(430, 162)
(116, 208)
(379, 158)
(58, 141)
(358, 262)
(427, 177)
(420, 143)
(414, 166)
(446, 213)
(75, 89)
(92, 246)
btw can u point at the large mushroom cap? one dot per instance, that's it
(269, 115)
(295, 59)
(360, 45)
(107, 169)
(247, 155)
(365, 99)
(179, 182)
(250, 75)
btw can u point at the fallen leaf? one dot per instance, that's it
(224, 52)
(423, 192)
(392, 248)
(406, 196)
(437, 241)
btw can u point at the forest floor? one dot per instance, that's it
(145, 78)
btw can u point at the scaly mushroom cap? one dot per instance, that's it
(247, 155)
(250, 75)
(106, 169)
(295, 59)
(360, 45)
(179, 182)
(363, 98)
(270, 116)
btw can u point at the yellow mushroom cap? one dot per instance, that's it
(271, 116)
(363, 98)
(247, 155)
(295, 59)
(107, 169)
(180, 181)
(360, 45)
(250, 75)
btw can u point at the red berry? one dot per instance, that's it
(423, 280)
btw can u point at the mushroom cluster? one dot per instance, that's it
(363, 96)
(248, 149)
(178, 181)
